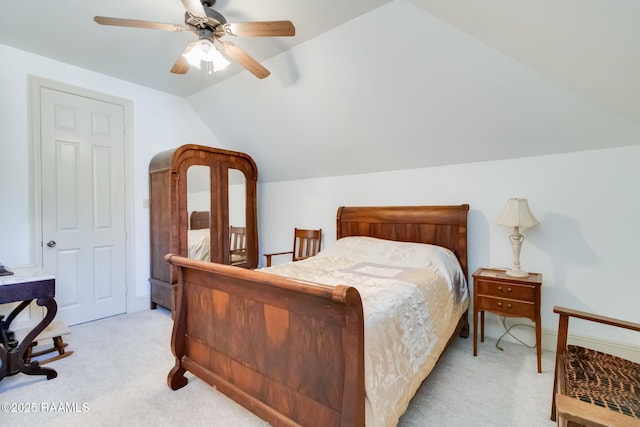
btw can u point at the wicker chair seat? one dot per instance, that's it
(603, 379)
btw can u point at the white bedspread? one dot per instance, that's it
(413, 296)
(199, 244)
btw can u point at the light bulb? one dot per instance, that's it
(205, 51)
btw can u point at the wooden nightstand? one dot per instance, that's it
(504, 295)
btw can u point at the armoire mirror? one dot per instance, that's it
(237, 217)
(198, 205)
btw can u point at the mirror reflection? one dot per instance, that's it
(237, 217)
(198, 203)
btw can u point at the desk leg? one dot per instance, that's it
(3, 359)
(7, 345)
(16, 356)
(16, 311)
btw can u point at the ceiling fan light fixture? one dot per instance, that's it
(210, 26)
(205, 51)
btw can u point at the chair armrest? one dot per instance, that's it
(277, 253)
(596, 318)
(268, 256)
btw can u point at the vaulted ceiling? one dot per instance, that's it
(65, 30)
(374, 85)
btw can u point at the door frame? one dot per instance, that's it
(35, 165)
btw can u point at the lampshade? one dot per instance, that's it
(205, 51)
(517, 214)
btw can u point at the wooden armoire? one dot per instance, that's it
(198, 179)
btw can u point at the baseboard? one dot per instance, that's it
(494, 328)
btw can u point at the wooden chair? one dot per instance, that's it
(306, 243)
(591, 388)
(238, 244)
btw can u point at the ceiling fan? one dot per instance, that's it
(211, 27)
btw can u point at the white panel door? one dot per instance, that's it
(83, 204)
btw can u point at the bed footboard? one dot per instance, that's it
(291, 352)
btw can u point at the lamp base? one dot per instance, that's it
(516, 273)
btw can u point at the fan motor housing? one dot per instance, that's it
(215, 18)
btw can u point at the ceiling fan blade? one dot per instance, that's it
(182, 65)
(194, 7)
(244, 59)
(260, 29)
(120, 22)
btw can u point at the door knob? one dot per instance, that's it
(51, 243)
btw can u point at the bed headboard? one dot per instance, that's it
(199, 220)
(437, 225)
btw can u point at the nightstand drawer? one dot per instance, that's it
(507, 307)
(507, 290)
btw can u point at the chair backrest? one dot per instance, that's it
(306, 243)
(238, 244)
(237, 238)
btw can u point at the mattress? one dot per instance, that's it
(413, 296)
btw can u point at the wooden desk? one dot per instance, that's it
(25, 286)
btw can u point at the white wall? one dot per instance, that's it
(426, 94)
(160, 121)
(586, 245)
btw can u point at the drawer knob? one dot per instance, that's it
(500, 305)
(508, 289)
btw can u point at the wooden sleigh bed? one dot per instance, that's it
(292, 351)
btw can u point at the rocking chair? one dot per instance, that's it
(56, 330)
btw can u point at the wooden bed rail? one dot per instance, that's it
(290, 351)
(339, 293)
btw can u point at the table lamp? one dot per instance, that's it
(517, 214)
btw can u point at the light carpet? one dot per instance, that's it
(117, 377)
